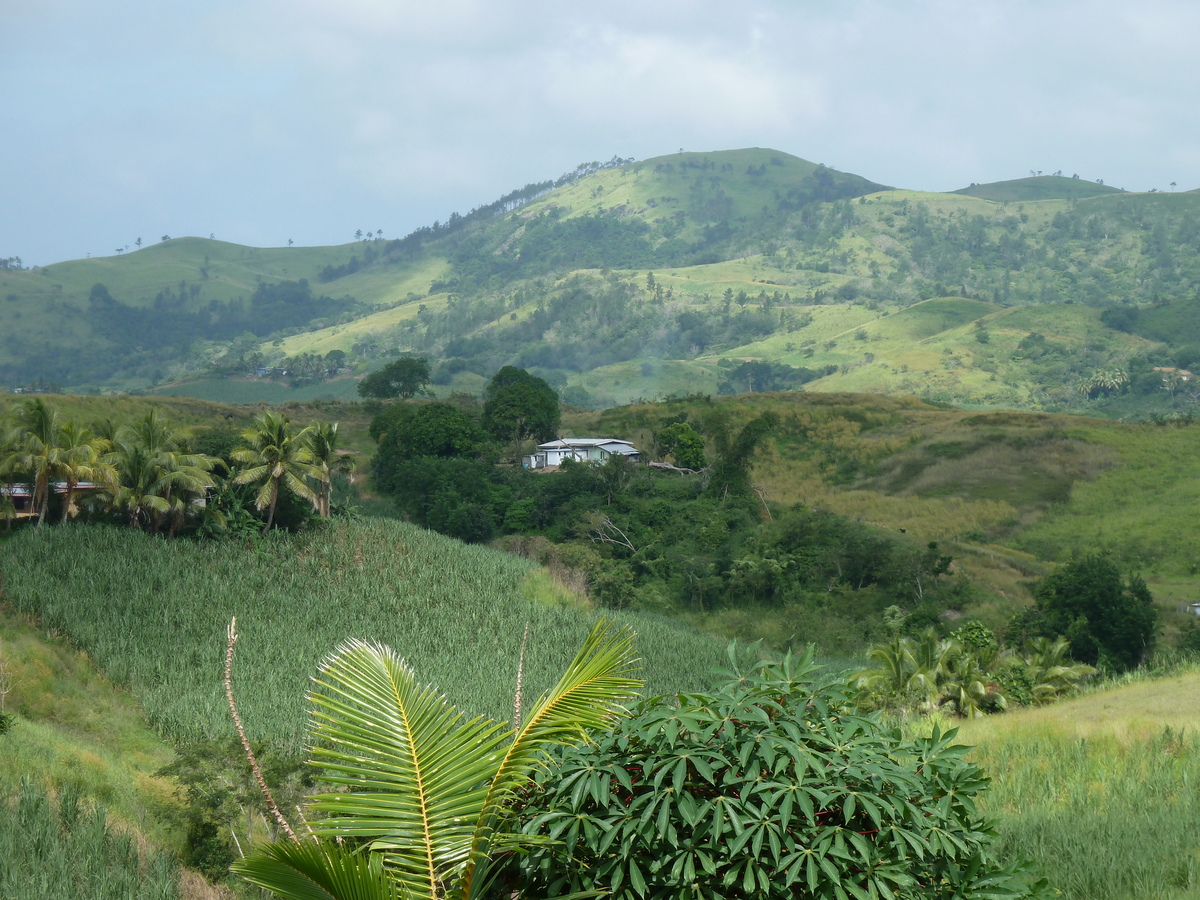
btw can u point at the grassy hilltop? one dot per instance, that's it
(636, 280)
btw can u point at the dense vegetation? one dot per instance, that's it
(903, 457)
(769, 786)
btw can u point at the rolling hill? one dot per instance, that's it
(630, 280)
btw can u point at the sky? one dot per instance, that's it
(260, 121)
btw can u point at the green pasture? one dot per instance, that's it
(262, 391)
(343, 337)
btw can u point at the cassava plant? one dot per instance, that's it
(769, 787)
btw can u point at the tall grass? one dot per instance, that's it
(1103, 818)
(153, 614)
(1100, 790)
(66, 849)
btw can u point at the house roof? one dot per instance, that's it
(611, 445)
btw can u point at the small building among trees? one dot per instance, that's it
(598, 450)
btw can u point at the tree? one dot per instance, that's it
(405, 377)
(730, 471)
(278, 459)
(37, 451)
(1109, 621)
(81, 461)
(425, 792)
(328, 461)
(519, 406)
(681, 441)
(165, 467)
(768, 787)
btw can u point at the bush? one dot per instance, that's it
(769, 787)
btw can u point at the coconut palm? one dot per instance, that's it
(328, 461)
(422, 791)
(1050, 669)
(160, 478)
(967, 689)
(139, 490)
(36, 442)
(907, 670)
(277, 458)
(82, 461)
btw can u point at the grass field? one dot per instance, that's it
(153, 614)
(1100, 790)
(77, 730)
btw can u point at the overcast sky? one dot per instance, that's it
(263, 120)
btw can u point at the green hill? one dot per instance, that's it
(1038, 187)
(631, 280)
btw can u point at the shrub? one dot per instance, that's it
(768, 787)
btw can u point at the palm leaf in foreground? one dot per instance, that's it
(309, 871)
(424, 785)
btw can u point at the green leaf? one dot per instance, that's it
(310, 871)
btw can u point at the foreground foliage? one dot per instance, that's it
(770, 786)
(425, 787)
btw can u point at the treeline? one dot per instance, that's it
(148, 474)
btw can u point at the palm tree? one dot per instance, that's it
(424, 791)
(328, 460)
(277, 458)
(37, 451)
(967, 689)
(81, 461)
(1050, 669)
(154, 461)
(139, 490)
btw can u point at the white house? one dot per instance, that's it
(597, 450)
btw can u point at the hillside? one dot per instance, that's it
(641, 279)
(1038, 187)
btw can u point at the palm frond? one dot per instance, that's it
(412, 772)
(309, 871)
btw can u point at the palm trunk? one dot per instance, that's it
(42, 490)
(274, 500)
(69, 501)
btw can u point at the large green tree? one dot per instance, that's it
(278, 458)
(420, 797)
(1109, 620)
(404, 377)
(519, 406)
